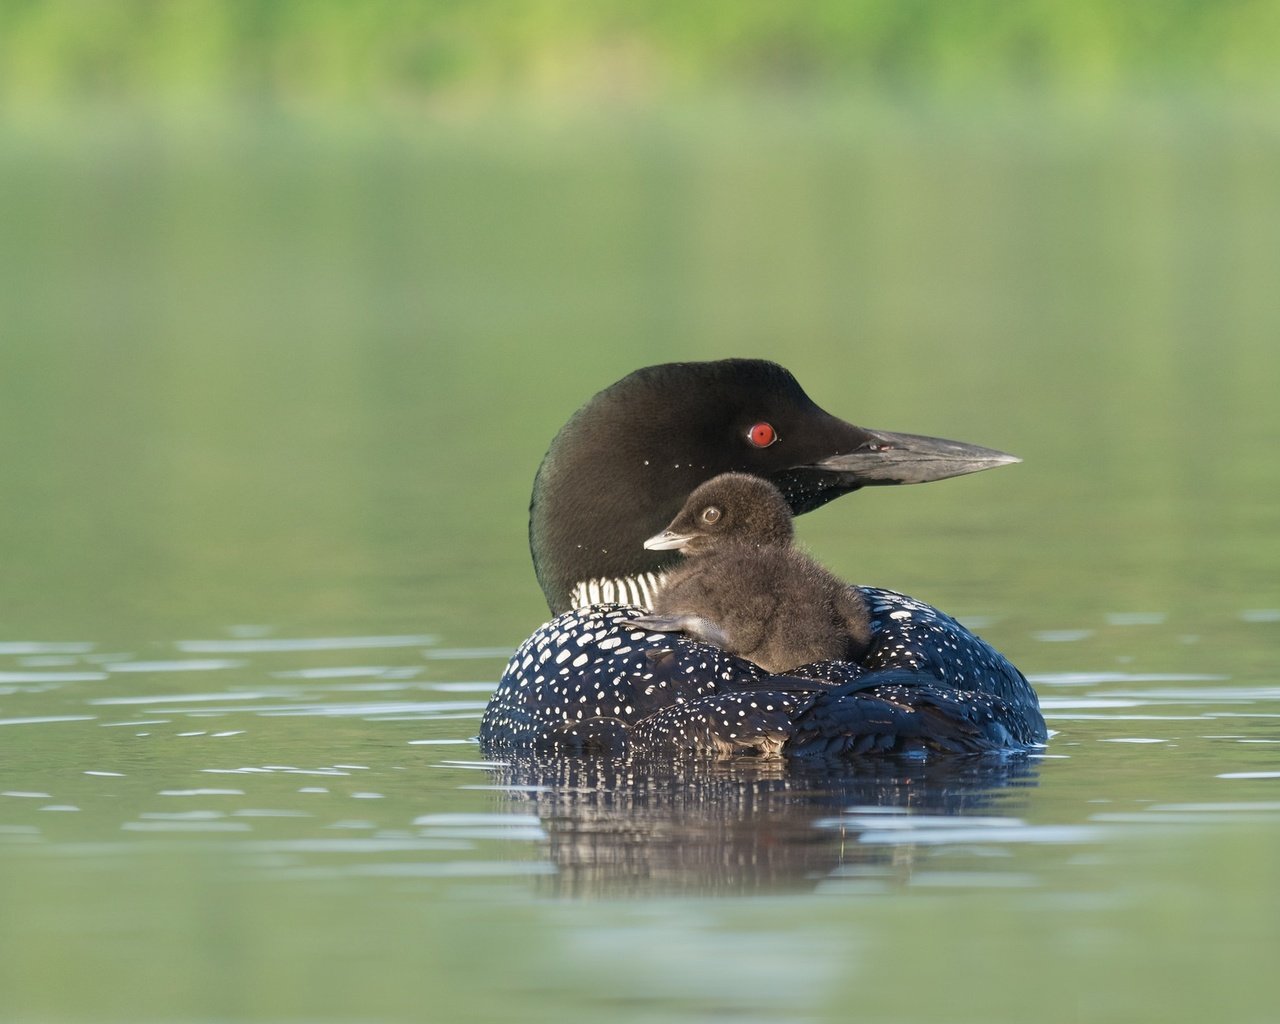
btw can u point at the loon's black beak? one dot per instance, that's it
(889, 458)
(667, 540)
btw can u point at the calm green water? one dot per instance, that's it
(271, 400)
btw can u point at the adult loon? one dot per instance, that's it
(744, 587)
(621, 468)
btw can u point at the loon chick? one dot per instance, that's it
(743, 587)
(620, 468)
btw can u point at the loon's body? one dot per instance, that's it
(743, 587)
(624, 464)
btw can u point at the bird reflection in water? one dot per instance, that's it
(747, 825)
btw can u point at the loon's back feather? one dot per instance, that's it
(588, 683)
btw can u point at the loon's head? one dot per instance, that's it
(735, 507)
(623, 465)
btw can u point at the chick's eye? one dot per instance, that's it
(710, 514)
(762, 434)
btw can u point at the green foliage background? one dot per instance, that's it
(309, 53)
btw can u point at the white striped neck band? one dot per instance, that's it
(631, 590)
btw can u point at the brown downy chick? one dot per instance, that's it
(744, 587)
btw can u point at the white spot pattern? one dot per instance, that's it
(667, 692)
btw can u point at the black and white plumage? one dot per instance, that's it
(586, 682)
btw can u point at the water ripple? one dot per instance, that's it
(51, 677)
(1094, 678)
(17, 647)
(183, 665)
(322, 643)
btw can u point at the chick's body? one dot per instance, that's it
(744, 587)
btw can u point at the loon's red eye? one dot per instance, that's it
(762, 435)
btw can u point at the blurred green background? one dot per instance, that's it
(389, 54)
(297, 293)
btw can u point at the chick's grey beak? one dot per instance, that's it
(667, 540)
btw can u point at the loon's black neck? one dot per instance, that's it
(624, 464)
